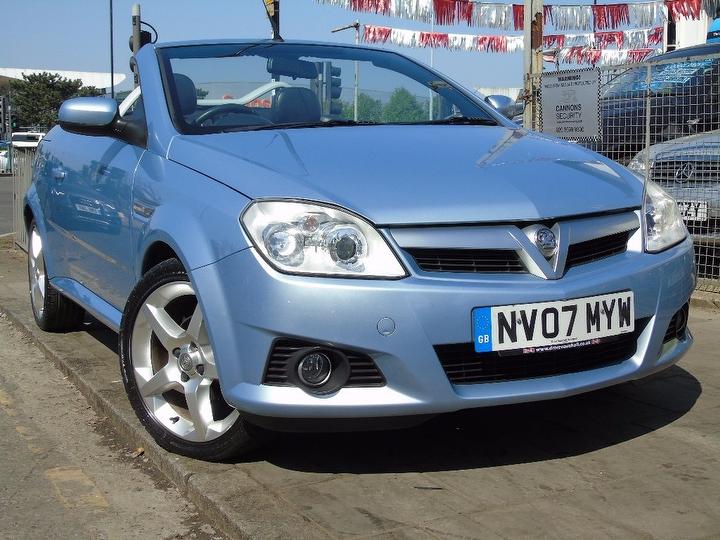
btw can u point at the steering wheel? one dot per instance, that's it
(229, 108)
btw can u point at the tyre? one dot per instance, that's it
(169, 372)
(52, 311)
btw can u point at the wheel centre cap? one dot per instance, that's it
(188, 360)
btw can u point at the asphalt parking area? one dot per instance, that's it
(638, 460)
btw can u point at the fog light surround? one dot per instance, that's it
(314, 369)
(681, 320)
(318, 370)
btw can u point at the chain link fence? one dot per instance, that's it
(661, 119)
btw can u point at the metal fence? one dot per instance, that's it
(662, 120)
(22, 177)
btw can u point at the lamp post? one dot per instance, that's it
(356, 26)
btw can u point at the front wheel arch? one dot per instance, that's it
(155, 254)
(239, 437)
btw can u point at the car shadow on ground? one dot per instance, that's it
(497, 436)
(486, 437)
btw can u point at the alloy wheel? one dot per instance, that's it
(174, 366)
(36, 272)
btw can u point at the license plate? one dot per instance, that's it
(693, 210)
(529, 328)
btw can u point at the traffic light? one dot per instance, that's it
(14, 123)
(333, 89)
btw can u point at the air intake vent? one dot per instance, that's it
(463, 365)
(363, 371)
(678, 325)
(467, 260)
(597, 248)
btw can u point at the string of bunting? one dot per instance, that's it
(591, 48)
(511, 16)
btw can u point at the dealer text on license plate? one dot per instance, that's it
(553, 325)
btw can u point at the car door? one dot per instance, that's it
(92, 204)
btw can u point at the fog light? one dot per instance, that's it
(314, 369)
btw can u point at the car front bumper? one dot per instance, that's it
(248, 305)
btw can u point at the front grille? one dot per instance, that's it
(467, 260)
(463, 365)
(596, 249)
(363, 371)
(664, 172)
(503, 261)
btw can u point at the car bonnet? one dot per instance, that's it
(396, 174)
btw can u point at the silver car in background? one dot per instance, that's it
(688, 169)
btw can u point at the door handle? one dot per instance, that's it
(58, 174)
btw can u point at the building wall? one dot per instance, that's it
(689, 32)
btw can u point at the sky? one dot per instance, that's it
(74, 34)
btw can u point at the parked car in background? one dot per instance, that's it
(688, 168)
(277, 263)
(684, 99)
(4, 159)
(27, 139)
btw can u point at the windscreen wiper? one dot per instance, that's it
(461, 121)
(297, 125)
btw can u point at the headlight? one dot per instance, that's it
(637, 164)
(664, 226)
(304, 238)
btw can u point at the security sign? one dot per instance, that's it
(570, 104)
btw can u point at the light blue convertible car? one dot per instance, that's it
(292, 236)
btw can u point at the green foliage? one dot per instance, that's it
(201, 93)
(403, 107)
(369, 109)
(37, 98)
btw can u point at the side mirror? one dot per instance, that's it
(503, 104)
(88, 112)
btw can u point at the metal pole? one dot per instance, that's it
(112, 62)
(136, 36)
(272, 8)
(357, 72)
(432, 64)
(356, 26)
(532, 57)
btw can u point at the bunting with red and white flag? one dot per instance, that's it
(475, 13)
(590, 48)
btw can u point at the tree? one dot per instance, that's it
(37, 97)
(403, 107)
(369, 109)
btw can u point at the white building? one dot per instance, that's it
(99, 80)
(686, 32)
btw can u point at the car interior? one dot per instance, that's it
(290, 104)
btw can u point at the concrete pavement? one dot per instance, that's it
(64, 472)
(641, 460)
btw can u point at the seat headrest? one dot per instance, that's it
(186, 93)
(296, 105)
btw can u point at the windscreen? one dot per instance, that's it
(664, 78)
(215, 88)
(24, 137)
